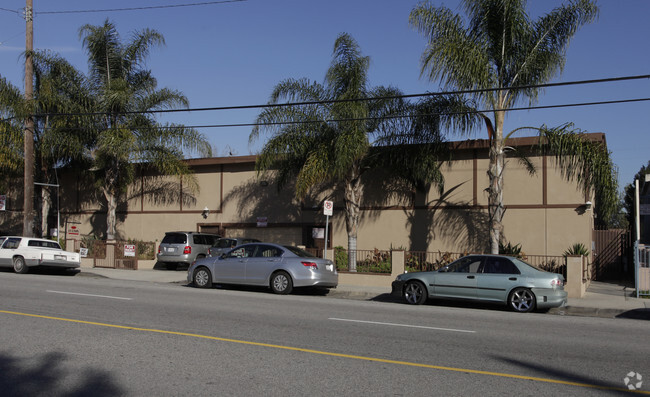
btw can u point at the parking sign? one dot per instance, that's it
(328, 207)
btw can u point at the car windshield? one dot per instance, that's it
(299, 252)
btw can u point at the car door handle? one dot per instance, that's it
(470, 276)
(513, 279)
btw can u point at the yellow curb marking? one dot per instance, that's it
(324, 353)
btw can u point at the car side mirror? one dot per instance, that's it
(223, 256)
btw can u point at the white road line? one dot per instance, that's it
(91, 295)
(403, 325)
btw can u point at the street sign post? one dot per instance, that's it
(328, 210)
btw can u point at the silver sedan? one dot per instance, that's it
(488, 278)
(279, 267)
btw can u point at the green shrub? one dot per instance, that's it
(377, 262)
(340, 258)
(511, 250)
(577, 249)
(145, 249)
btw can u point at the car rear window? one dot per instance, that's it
(298, 252)
(46, 244)
(174, 238)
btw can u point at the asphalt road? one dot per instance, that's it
(73, 336)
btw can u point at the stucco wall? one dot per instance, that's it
(543, 211)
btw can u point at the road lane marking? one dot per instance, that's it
(403, 325)
(340, 355)
(91, 295)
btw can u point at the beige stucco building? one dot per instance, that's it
(544, 213)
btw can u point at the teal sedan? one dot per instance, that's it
(488, 278)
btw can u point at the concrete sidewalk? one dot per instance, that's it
(602, 299)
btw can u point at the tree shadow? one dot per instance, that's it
(154, 190)
(46, 375)
(256, 198)
(564, 374)
(457, 223)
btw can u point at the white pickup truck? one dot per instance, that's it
(21, 253)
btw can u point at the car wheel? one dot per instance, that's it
(281, 283)
(522, 300)
(202, 278)
(19, 265)
(415, 293)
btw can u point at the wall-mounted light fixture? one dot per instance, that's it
(588, 205)
(205, 213)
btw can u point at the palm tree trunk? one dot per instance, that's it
(352, 194)
(111, 206)
(46, 200)
(496, 208)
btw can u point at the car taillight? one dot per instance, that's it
(557, 283)
(158, 249)
(187, 250)
(310, 264)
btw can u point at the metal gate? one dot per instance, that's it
(112, 255)
(642, 261)
(612, 254)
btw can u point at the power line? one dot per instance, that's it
(476, 111)
(404, 96)
(8, 10)
(428, 94)
(205, 3)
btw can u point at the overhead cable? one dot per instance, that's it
(205, 3)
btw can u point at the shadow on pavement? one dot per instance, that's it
(462, 304)
(299, 291)
(636, 314)
(50, 271)
(46, 375)
(171, 267)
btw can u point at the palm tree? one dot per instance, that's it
(128, 133)
(11, 136)
(504, 55)
(329, 139)
(59, 140)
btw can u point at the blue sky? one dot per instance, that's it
(234, 54)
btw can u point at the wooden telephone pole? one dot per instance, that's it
(28, 206)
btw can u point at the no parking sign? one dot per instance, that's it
(328, 207)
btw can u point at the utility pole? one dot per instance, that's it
(28, 202)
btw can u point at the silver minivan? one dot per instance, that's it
(184, 247)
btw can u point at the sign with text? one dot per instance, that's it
(328, 208)
(73, 231)
(129, 250)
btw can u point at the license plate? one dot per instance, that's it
(60, 257)
(169, 249)
(329, 267)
